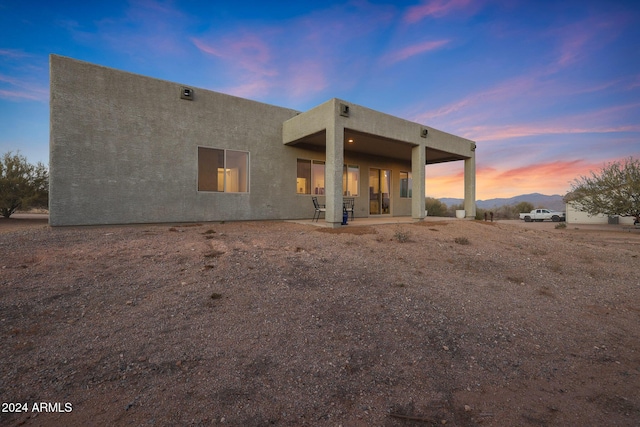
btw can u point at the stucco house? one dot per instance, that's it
(126, 148)
(577, 216)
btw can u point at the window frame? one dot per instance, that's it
(318, 191)
(409, 180)
(345, 180)
(307, 185)
(313, 177)
(224, 167)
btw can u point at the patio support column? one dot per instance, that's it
(418, 186)
(333, 172)
(470, 184)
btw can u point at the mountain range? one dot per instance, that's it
(538, 200)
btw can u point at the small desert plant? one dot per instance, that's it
(555, 266)
(213, 254)
(462, 241)
(561, 225)
(546, 291)
(402, 235)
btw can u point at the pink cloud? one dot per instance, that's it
(435, 8)
(495, 133)
(12, 54)
(253, 88)
(488, 105)
(497, 95)
(16, 94)
(560, 168)
(20, 89)
(599, 121)
(146, 27)
(572, 48)
(307, 77)
(416, 49)
(547, 178)
(249, 53)
(202, 46)
(267, 59)
(554, 177)
(579, 40)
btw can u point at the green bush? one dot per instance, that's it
(22, 185)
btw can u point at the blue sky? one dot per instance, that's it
(549, 89)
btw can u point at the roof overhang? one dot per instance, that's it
(373, 133)
(374, 145)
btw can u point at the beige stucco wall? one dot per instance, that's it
(124, 149)
(575, 216)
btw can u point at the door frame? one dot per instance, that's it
(379, 199)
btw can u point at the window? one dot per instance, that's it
(303, 183)
(350, 180)
(223, 170)
(310, 177)
(317, 177)
(405, 184)
(311, 174)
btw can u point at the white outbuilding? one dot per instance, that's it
(576, 216)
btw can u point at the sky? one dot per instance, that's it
(549, 90)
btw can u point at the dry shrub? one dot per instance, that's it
(402, 235)
(462, 241)
(213, 254)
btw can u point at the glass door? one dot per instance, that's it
(379, 191)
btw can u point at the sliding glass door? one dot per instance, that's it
(379, 191)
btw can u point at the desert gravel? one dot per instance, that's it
(447, 322)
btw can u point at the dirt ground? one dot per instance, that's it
(450, 322)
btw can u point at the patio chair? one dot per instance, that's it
(319, 208)
(348, 203)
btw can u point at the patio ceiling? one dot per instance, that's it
(374, 145)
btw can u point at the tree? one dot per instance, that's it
(451, 210)
(22, 185)
(523, 207)
(615, 190)
(435, 207)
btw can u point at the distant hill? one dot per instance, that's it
(536, 199)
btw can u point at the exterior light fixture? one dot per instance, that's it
(350, 141)
(186, 93)
(344, 110)
(424, 132)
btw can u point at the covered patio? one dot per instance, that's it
(337, 127)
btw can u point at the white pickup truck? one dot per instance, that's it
(542, 214)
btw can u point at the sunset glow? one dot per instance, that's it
(548, 90)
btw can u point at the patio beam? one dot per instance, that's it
(333, 168)
(418, 186)
(470, 183)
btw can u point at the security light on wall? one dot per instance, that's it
(344, 110)
(186, 93)
(424, 132)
